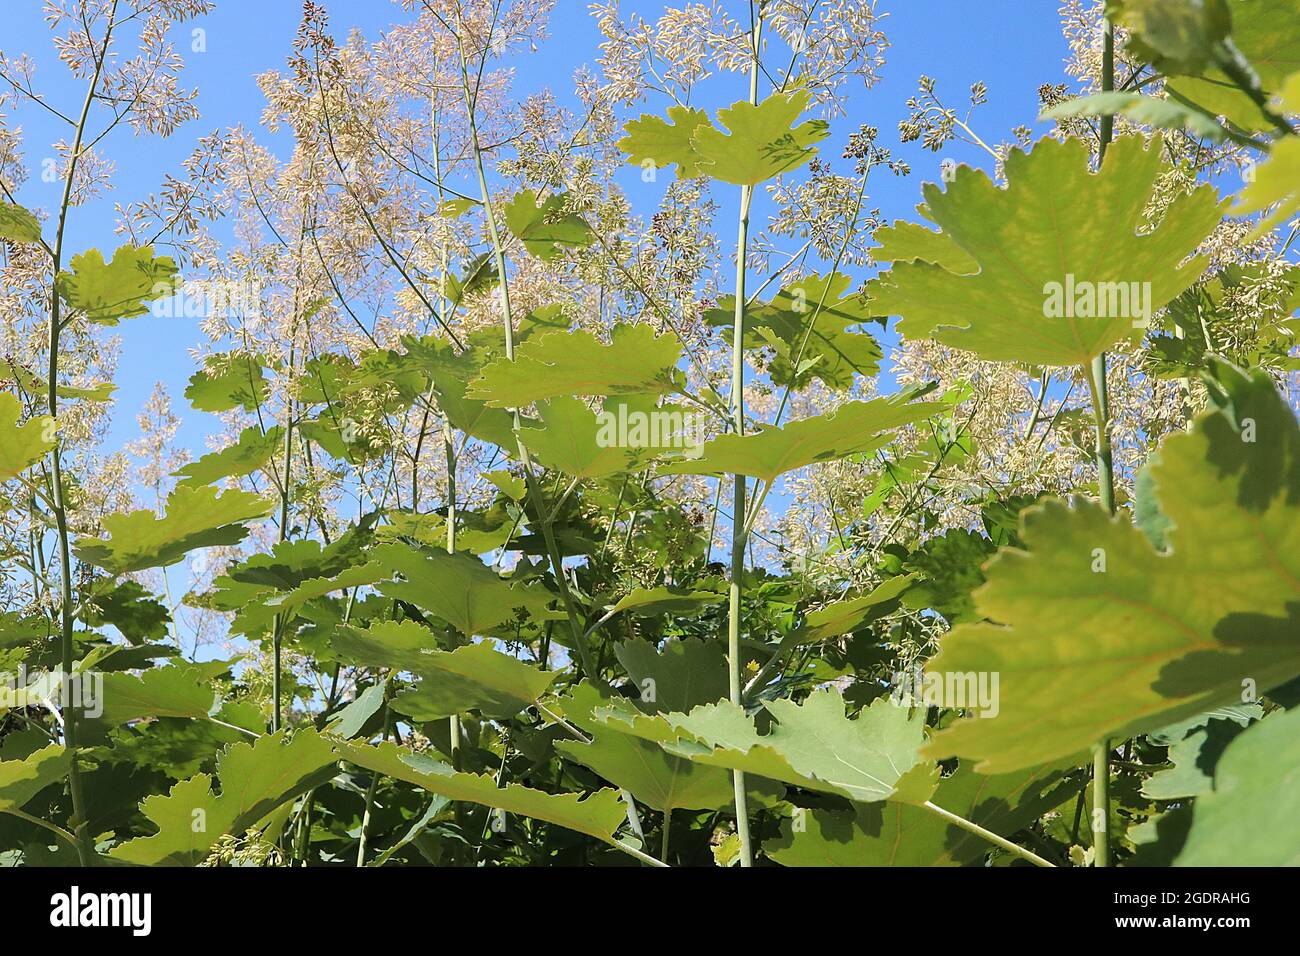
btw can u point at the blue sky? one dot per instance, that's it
(1014, 47)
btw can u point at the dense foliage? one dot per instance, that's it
(541, 534)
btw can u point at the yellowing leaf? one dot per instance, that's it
(1094, 633)
(913, 242)
(1064, 274)
(577, 363)
(21, 446)
(763, 140)
(196, 517)
(651, 140)
(255, 779)
(120, 289)
(18, 224)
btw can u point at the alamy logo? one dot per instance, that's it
(84, 691)
(200, 299)
(77, 909)
(658, 430)
(1081, 299)
(976, 691)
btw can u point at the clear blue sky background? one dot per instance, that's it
(1013, 45)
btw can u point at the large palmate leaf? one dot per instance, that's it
(451, 373)
(251, 452)
(544, 229)
(1277, 182)
(599, 815)
(1195, 752)
(570, 439)
(629, 429)
(636, 360)
(680, 675)
(131, 609)
(175, 691)
(653, 777)
(255, 779)
(20, 780)
(1096, 633)
(266, 585)
(812, 745)
(1252, 816)
(913, 242)
(120, 289)
(895, 833)
(810, 321)
(1177, 36)
(852, 429)
(21, 446)
(1266, 33)
(196, 517)
(948, 568)
(652, 140)
(458, 588)
(18, 224)
(1063, 272)
(476, 677)
(226, 381)
(762, 141)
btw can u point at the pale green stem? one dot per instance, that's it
(738, 529)
(1101, 804)
(85, 847)
(989, 835)
(1105, 478)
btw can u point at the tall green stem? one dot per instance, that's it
(85, 848)
(534, 489)
(1101, 804)
(738, 492)
(277, 630)
(1105, 478)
